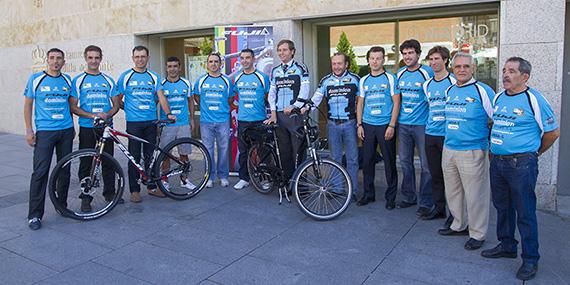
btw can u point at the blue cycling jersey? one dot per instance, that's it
(51, 106)
(377, 92)
(94, 93)
(435, 95)
(139, 90)
(287, 79)
(251, 89)
(177, 94)
(414, 108)
(340, 92)
(214, 95)
(467, 112)
(519, 121)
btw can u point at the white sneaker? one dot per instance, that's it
(210, 184)
(241, 184)
(187, 184)
(224, 182)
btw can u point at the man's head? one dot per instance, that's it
(286, 50)
(140, 56)
(247, 58)
(339, 63)
(214, 62)
(93, 56)
(463, 65)
(516, 73)
(375, 57)
(173, 67)
(410, 50)
(55, 60)
(438, 57)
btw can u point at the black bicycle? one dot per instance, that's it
(180, 170)
(321, 186)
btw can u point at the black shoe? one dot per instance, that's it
(433, 215)
(527, 271)
(365, 201)
(404, 204)
(353, 198)
(121, 201)
(448, 222)
(86, 205)
(35, 224)
(498, 252)
(390, 205)
(473, 244)
(450, 232)
(109, 196)
(422, 211)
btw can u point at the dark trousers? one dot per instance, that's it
(513, 181)
(88, 139)
(434, 149)
(145, 130)
(243, 148)
(46, 141)
(291, 147)
(374, 136)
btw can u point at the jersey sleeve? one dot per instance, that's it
(157, 84)
(267, 84)
(121, 84)
(29, 91)
(196, 89)
(361, 86)
(114, 88)
(548, 117)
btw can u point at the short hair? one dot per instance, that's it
(524, 65)
(92, 48)
(55, 50)
(214, 53)
(139, 48)
(173, 58)
(247, 50)
(289, 43)
(465, 55)
(344, 55)
(413, 44)
(442, 51)
(375, 49)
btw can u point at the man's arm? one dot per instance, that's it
(30, 135)
(116, 101)
(359, 108)
(396, 102)
(74, 106)
(164, 104)
(191, 110)
(547, 140)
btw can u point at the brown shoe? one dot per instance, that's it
(136, 197)
(156, 193)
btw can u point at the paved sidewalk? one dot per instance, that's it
(223, 236)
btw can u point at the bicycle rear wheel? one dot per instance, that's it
(261, 159)
(322, 190)
(85, 185)
(183, 168)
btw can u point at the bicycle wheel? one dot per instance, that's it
(261, 159)
(183, 168)
(322, 191)
(85, 185)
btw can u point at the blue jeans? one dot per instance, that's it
(217, 134)
(512, 188)
(345, 135)
(410, 136)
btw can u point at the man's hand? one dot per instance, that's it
(360, 132)
(389, 134)
(271, 120)
(287, 110)
(171, 117)
(31, 138)
(102, 115)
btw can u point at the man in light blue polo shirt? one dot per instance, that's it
(47, 94)
(465, 162)
(524, 127)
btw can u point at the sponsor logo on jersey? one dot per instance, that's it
(469, 99)
(87, 85)
(45, 89)
(518, 112)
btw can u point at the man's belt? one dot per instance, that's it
(339, 121)
(511, 156)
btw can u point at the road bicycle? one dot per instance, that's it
(89, 183)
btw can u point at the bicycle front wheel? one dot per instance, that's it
(322, 190)
(183, 168)
(261, 160)
(85, 185)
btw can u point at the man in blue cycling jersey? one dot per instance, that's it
(213, 91)
(94, 94)
(251, 87)
(377, 114)
(289, 81)
(47, 94)
(524, 127)
(411, 128)
(178, 93)
(464, 159)
(340, 88)
(141, 89)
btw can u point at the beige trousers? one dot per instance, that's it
(467, 190)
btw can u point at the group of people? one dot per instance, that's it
(474, 145)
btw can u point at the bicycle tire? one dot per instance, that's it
(192, 175)
(260, 158)
(69, 201)
(323, 198)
